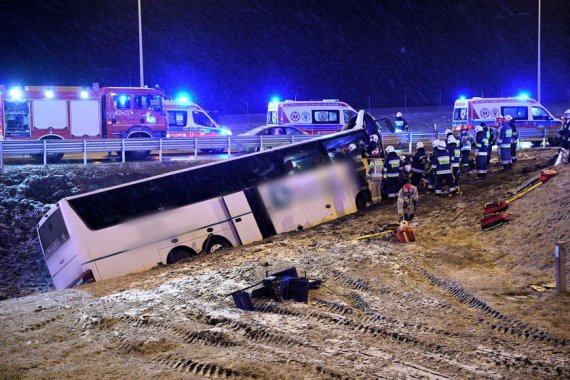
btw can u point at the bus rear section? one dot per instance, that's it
(312, 117)
(62, 248)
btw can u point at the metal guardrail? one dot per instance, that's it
(42, 149)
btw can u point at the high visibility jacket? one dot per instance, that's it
(360, 163)
(466, 141)
(441, 161)
(454, 154)
(505, 136)
(392, 165)
(375, 167)
(419, 161)
(490, 134)
(481, 143)
(401, 123)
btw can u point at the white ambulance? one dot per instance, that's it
(469, 113)
(188, 119)
(312, 117)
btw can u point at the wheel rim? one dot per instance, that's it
(216, 247)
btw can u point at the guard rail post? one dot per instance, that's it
(261, 143)
(292, 139)
(229, 146)
(544, 137)
(1, 155)
(160, 150)
(410, 142)
(123, 151)
(196, 149)
(45, 152)
(84, 152)
(560, 264)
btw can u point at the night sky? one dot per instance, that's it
(231, 53)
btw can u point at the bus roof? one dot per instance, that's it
(327, 137)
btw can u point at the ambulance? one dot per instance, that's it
(527, 113)
(312, 117)
(188, 119)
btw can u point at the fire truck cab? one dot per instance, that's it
(313, 117)
(188, 119)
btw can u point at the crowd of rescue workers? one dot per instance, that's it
(394, 177)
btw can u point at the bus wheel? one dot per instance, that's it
(554, 141)
(179, 253)
(363, 199)
(216, 243)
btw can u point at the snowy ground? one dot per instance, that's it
(457, 303)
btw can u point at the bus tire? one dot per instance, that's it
(554, 141)
(179, 253)
(363, 199)
(215, 243)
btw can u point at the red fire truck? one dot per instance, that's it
(46, 112)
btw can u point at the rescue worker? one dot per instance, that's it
(441, 163)
(431, 172)
(400, 123)
(373, 145)
(360, 164)
(407, 202)
(565, 134)
(466, 143)
(481, 144)
(448, 134)
(455, 155)
(504, 142)
(514, 140)
(375, 172)
(391, 172)
(418, 164)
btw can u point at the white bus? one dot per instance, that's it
(163, 219)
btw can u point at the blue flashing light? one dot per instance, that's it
(84, 94)
(183, 98)
(275, 99)
(15, 93)
(49, 94)
(462, 97)
(523, 96)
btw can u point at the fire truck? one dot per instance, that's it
(56, 112)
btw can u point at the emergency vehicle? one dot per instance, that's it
(188, 119)
(469, 113)
(312, 117)
(56, 112)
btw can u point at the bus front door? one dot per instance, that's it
(242, 217)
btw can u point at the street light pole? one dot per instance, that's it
(538, 66)
(140, 47)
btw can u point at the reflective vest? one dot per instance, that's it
(505, 136)
(441, 161)
(455, 155)
(481, 143)
(419, 161)
(375, 167)
(392, 165)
